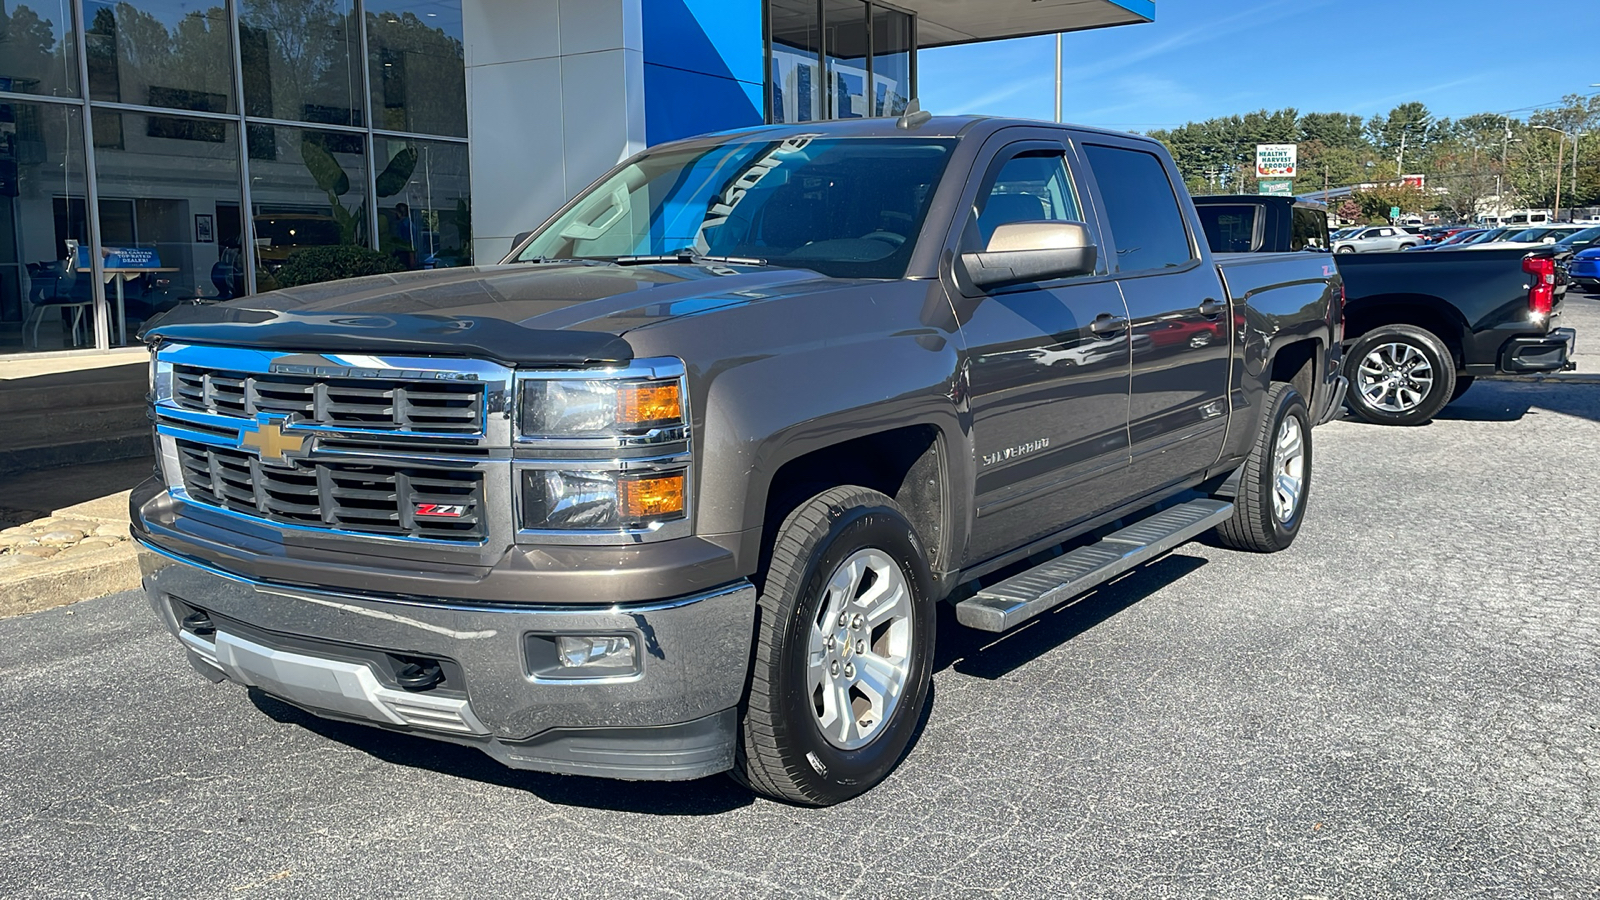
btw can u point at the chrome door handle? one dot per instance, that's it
(1106, 323)
(1213, 307)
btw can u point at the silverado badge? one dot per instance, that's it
(267, 438)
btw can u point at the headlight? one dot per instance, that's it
(585, 499)
(160, 378)
(599, 408)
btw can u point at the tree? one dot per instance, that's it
(1349, 210)
(1376, 201)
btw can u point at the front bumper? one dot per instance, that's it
(337, 655)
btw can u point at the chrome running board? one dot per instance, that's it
(1019, 598)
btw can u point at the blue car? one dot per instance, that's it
(1584, 270)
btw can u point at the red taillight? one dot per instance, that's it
(1542, 293)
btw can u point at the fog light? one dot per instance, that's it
(605, 652)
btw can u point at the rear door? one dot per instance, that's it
(1047, 386)
(1179, 312)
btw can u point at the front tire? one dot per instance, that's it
(1345, 250)
(1399, 375)
(844, 651)
(1270, 502)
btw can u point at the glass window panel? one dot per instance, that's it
(424, 204)
(34, 57)
(310, 191)
(172, 193)
(172, 53)
(44, 303)
(891, 62)
(795, 82)
(418, 73)
(846, 24)
(301, 61)
(1146, 222)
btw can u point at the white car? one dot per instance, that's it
(1377, 237)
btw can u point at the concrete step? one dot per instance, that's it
(104, 448)
(46, 428)
(123, 385)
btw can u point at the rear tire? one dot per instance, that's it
(1265, 520)
(1345, 250)
(1399, 375)
(846, 605)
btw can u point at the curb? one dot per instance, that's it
(1586, 378)
(26, 588)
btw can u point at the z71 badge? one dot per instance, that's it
(442, 510)
(1000, 456)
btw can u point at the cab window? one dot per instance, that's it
(1030, 187)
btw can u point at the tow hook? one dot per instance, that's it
(420, 675)
(198, 623)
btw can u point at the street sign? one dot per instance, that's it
(1394, 212)
(1419, 182)
(1276, 187)
(1276, 160)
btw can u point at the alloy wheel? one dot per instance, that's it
(859, 656)
(1395, 377)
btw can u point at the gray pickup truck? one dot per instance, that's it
(675, 489)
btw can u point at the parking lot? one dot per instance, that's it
(1406, 703)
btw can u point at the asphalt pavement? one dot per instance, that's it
(1404, 704)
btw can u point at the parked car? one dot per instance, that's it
(1531, 237)
(1582, 239)
(1256, 223)
(1376, 238)
(676, 487)
(1583, 270)
(1419, 328)
(1455, 240)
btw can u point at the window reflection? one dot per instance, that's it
(172, 194)
(309, 191)
(415, 56)
(891, 62)
(424, 205)
(847, 58)
(45, 303)
(795, 81)
(171, 53)
(33, 57)
(301, 60)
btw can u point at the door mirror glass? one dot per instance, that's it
(1023, 252)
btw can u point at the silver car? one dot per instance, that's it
(1377, 237)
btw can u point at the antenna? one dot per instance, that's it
(914, 115)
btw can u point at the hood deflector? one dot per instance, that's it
(493, 340)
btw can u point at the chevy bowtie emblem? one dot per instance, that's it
(266, 437)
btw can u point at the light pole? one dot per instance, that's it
(1560, 146)
(1058, 76)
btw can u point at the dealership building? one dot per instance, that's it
(155, 152)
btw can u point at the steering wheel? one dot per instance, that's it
(885, 236)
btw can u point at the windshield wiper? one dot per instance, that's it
(576, 260)
(686, 257)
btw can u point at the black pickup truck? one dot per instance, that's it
(1421, 327)
(675, 488)
(1418, 328)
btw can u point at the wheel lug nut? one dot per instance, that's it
(856, 622)
(829, 642)
(861, 646)
(843, 620)
(849, 671)
(833, 668)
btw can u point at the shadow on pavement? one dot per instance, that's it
(708, 796)
(992, 656)
(1509, 401)
(30, 495)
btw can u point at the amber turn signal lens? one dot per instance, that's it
(648, 404)
(650, 497)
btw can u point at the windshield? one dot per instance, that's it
(845, 207)
(1229, 229)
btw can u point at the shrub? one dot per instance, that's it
(318, 264)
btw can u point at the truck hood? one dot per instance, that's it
(550, 314)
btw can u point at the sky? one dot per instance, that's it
(1207, 58)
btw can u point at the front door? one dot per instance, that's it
(1177, 414)
(1047, 386)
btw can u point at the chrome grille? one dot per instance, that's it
(363, 497)
(440, 407)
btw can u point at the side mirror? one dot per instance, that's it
(1023, 252)
(521, 236)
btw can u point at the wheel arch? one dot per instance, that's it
(1430, 313)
